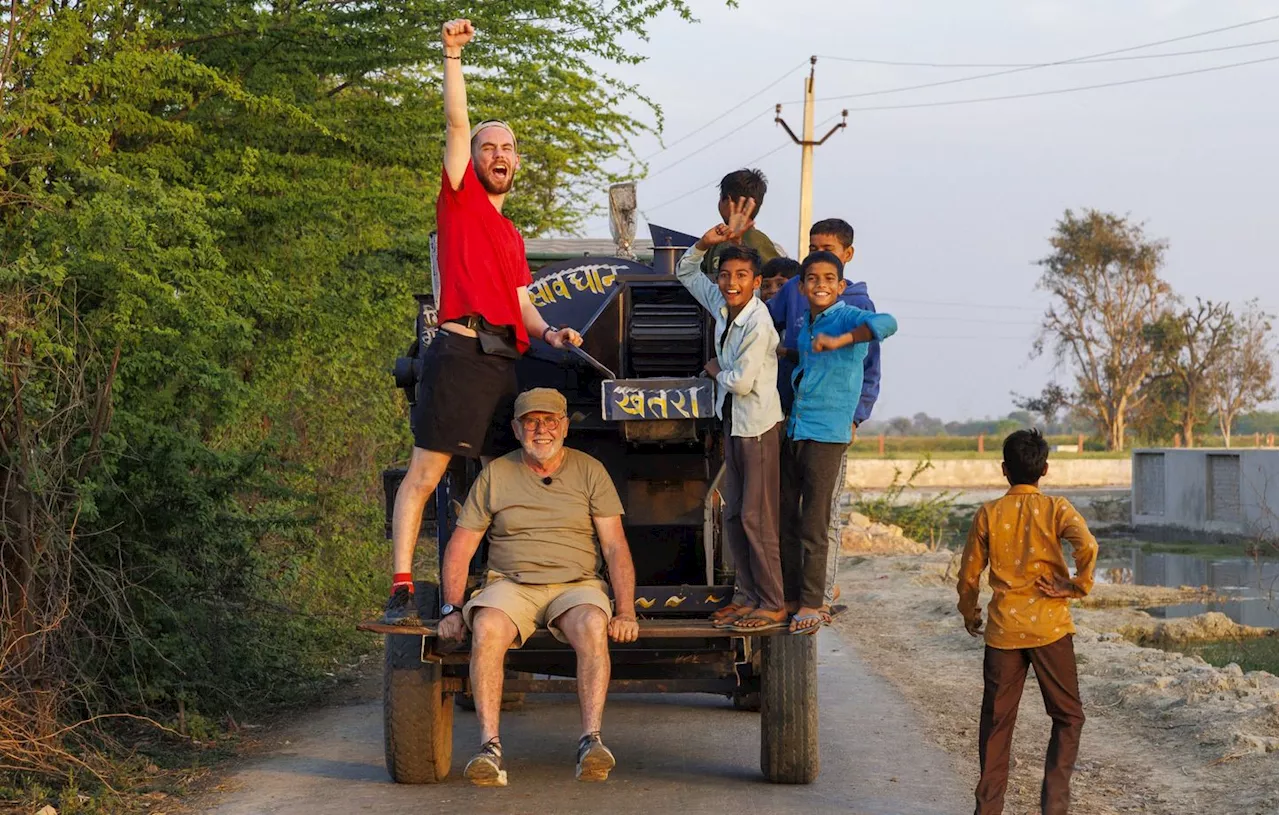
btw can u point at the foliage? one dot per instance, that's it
(1190, 345)
(1104, 277)
(1051, 401)
(236, 199)
(1258, 421)
(927, 519)
(923, 425)
(1247, 374)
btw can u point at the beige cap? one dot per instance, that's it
(475, 131)
(541, 400)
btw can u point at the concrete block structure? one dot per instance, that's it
(1207, 492)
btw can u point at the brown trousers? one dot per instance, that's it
(1003, 674)
(750, 493)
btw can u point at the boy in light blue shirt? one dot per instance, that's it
(745, 368)
(830, 351)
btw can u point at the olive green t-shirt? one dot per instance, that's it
(538, 532)
(753, 238)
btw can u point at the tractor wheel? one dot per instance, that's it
(789, 709)
(417, 716)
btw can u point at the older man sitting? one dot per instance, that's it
(552, 514)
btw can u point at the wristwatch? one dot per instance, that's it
(447, 609)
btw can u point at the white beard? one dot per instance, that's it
(543, 454)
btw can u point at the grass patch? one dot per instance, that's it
(862, 450)
(934, 520)
(1113, 547)
(1256, 654)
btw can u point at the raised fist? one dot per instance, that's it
(457, 33)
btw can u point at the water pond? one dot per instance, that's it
(1247, 584)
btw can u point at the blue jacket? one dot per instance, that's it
(790, 309)
(827, 384)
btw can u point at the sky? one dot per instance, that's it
(954, 204)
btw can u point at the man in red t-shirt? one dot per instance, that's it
(468, 387)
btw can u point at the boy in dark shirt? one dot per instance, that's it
(737, 186)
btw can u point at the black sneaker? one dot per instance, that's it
(594, 759)
(402, 608)
(485, 767)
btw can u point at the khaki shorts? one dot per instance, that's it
(530, 605)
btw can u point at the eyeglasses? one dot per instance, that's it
(538, 424)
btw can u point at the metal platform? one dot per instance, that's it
(668, 629)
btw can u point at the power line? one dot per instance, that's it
(1044, 64)
(955, 304)
(715, 119)
(702, 187)
(906, 335)
(1035, 64)
(974, 320)
(1064, 90)
(720, 140)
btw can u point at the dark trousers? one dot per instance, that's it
(1003, 674)
(750, 493)
(810, 470)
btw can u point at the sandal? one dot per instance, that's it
(828, 612)
(801, 623)
(746, 623)
(725, 612)
(732, 620)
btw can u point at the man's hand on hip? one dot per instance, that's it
(452, 627)
(624, 628)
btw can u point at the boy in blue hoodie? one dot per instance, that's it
(830, 352)
(789, 309)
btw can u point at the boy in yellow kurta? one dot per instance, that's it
(1020, 537)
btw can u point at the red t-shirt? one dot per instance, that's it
(481, 257)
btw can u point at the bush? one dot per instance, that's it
(927, 519)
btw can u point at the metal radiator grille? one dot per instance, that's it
(665, 334)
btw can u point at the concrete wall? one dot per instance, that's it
(877, 473)
(1210, 490)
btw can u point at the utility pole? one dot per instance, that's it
(806, 156)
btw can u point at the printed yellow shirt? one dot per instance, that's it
(1020, 537)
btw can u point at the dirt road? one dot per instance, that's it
(675, 754)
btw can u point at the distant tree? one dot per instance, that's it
(1023, 418)
(1104, 278)
(922, 424)
(1190, 345)
(1258, 421)
(1246, 376)
(1052, 400)
(900, 425)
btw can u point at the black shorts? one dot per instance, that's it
(466, 399)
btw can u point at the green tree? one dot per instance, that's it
(238, 196)
(1191, 344)
(1247, 375)
(1104, 276)
(1049, 403)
